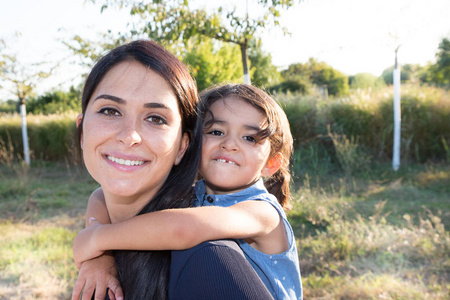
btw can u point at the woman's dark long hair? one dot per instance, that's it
(145, 274)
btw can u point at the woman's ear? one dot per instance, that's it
(183, 147)
(272, 165)
(79, 123)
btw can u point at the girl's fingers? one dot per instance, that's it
(115, 289)
(78, 288)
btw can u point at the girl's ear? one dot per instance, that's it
(79, 121)
(183, 147)
(272, 165)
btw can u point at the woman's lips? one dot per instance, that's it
(125, 162)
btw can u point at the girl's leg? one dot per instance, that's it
(214, 270)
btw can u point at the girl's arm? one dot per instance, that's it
(96, 208)
(99, 274)
(178, 229)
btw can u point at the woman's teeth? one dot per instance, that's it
(226, 161)
(125, 162)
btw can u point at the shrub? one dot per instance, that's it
(50, 137)
(294, 84)
(366, 119)
(55, 102)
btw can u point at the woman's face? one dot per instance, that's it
(132, 133)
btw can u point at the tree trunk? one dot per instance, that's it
(244, 55)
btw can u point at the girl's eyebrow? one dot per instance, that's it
(122, 101)
(250, 127)
(246, 126)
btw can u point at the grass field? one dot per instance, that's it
(376, 234)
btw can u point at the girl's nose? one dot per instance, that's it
(229, 144)
(129, 135)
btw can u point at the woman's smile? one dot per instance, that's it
(125, 162)
(134, 127)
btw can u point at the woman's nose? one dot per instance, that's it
(129, 134)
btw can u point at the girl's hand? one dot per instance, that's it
(84, 245)
(96, 276)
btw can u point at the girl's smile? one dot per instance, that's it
(227, 160)
(231, 158)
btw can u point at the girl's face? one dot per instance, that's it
(231, 159)
(132, 132)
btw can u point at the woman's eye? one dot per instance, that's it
(215, 132)
(109, 111)
(157, 120)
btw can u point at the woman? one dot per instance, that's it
(141, 137)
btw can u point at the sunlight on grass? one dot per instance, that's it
(376, 235)
(374, 239)
(37, 258)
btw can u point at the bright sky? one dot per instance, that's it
(352, 36)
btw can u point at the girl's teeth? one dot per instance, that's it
(225, 161)
(125, 162)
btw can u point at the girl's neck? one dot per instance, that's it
(214, 190)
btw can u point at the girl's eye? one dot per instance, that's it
(157, 120)
(109, 111)
(250, 139)
(215, 132)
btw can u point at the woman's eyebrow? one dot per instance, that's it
(122, 101)
(155, 105)
(110, 97)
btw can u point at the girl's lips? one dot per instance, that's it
(223, 159)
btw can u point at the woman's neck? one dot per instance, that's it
(122, 208)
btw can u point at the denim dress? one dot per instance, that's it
(279, 272)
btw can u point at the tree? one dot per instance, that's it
(322, 75)
(55, 102)
(442, 70)
(262, 71)
(173, 21)
(91, 51)
(23, 80)
(409, 73)
(365, 80)
(213, 62)
(9, 106)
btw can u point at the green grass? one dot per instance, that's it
(41, 210)
(377, 234)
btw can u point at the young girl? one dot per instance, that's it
(246, 137)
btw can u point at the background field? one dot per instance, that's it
(380, 236)
(363, 231)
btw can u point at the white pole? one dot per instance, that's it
(247, 79)
(26, 149)
(397, 116)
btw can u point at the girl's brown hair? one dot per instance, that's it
(277, 130)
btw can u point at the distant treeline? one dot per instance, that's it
(323, 128)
